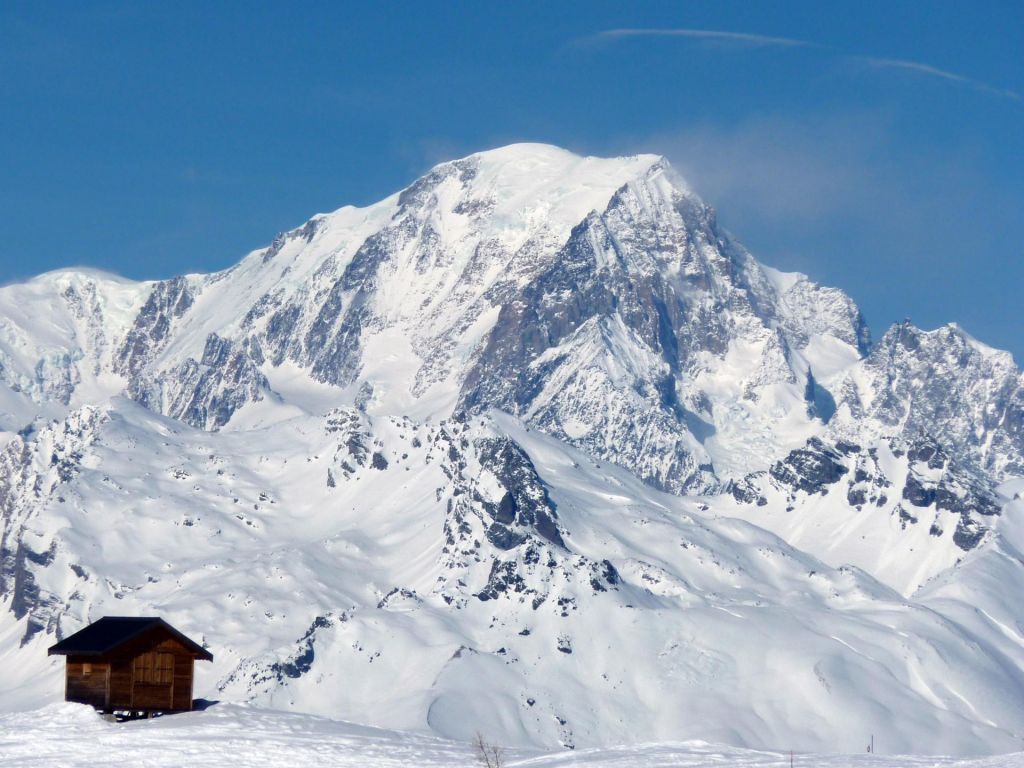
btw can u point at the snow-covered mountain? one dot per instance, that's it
(534, 447)
(594, 298)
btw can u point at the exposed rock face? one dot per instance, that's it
(151, 331)
(945, 384)
(208, 393)
(524, 507)
(811, 469)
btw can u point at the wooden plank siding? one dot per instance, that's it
(120, 683)
(184, 666)
(86, 682)
(152, 673)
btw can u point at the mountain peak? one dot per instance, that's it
(535, 154)
(949, 336)
(520, 186)
(978, 346)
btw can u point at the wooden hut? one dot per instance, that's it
(130, 663)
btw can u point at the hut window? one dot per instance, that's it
(87, 669)
(153, 667)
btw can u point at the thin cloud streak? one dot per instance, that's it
(788, 42)
(704, 34)
(927, 69)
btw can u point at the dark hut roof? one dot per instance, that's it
(105, 635)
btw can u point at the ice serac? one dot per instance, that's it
(59, 335)
(528, 421)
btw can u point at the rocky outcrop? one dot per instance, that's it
(927, 483)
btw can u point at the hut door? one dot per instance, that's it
(152, 681)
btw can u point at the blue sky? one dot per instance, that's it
(876, 146)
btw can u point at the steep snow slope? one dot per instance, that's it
(903, 509)
(378, 569)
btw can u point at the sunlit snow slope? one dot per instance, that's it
(72, 735)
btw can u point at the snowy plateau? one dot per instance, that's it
(532, 448)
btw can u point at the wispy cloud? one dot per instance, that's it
(750, 39)
(781, 171)
(927, 69)
(703, 34)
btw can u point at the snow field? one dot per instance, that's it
(73, 736)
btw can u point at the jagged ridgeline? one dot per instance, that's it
(502, 453)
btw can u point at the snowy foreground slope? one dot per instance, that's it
(532, 448)
(456, 575)
(71, 735)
